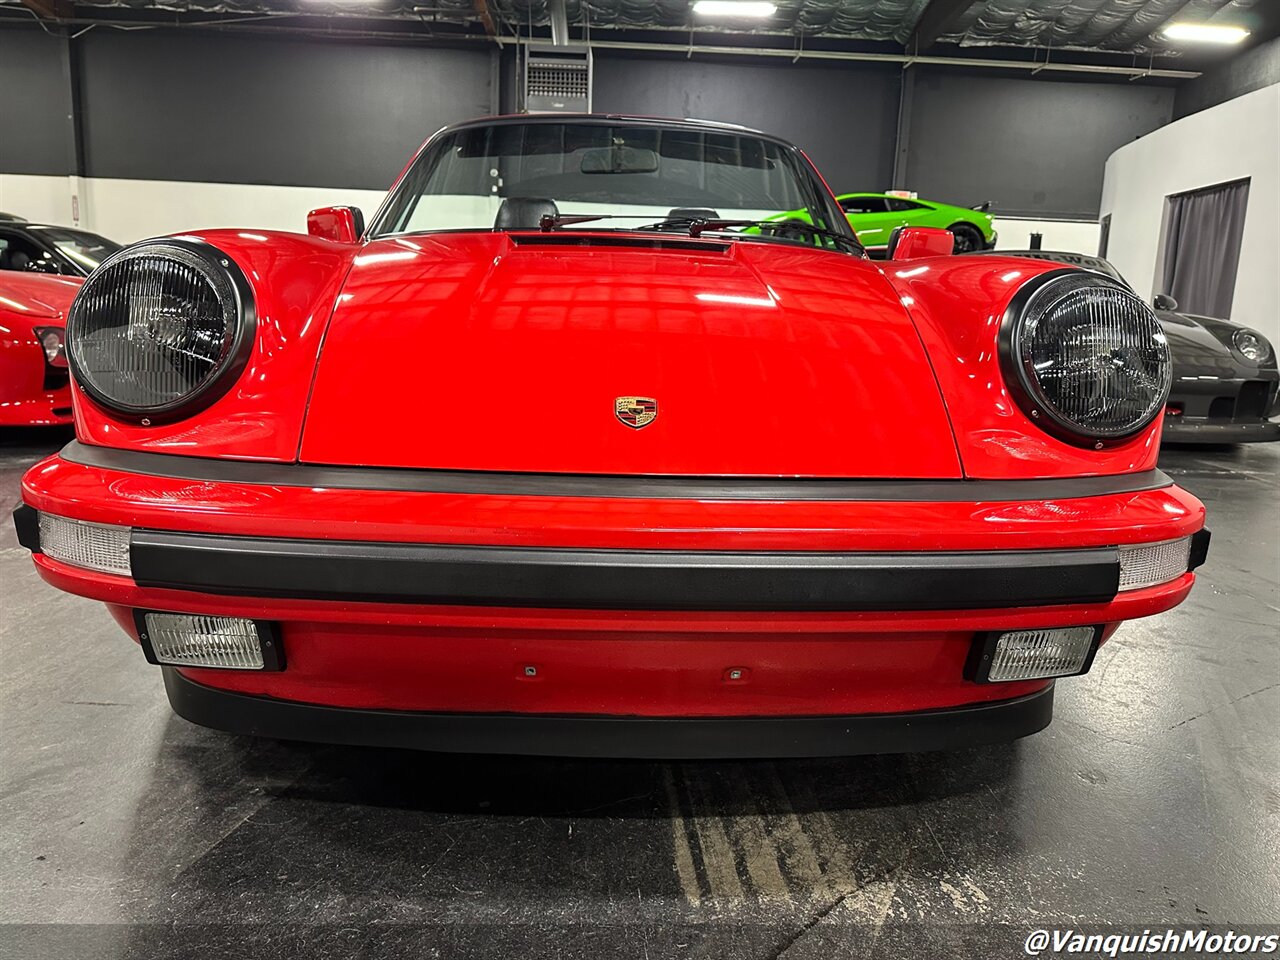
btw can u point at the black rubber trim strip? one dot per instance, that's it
(1199, 548)
(697, 738)
(26, 523)
(406, 480)
(620, 579)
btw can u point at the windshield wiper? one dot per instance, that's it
(778, 228)
(699, 225)
(549, 221)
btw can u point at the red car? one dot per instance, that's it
(572, 451)
(34, 382)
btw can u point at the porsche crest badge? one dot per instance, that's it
(636, 412)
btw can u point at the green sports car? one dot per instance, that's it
(874, 216)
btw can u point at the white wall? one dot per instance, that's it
(1236, 139)
(39, 199)
(129, 210)
(1071, 236)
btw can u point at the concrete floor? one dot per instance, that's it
(1152, 800)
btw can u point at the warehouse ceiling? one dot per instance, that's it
(1044, 29)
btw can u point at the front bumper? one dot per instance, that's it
(1180, 430)
(442, 596)
(44, 408)
(1219, 409)
(667, 738)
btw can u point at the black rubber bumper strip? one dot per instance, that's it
(696, 738)
(1199, 548)
(483, 483)
(26, 524)
(620, 579)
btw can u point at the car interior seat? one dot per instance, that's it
(524, 213)
(693, 213)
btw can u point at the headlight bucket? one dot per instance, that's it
(1251, 345)
(1084, 357)
(161, 330)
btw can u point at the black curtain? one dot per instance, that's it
(1202, 247)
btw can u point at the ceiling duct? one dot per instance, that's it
(557, 79)
(559, 22)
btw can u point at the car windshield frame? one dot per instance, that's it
(57, 238)
(393, 217)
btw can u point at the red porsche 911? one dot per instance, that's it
(572, 450)
(34, 382)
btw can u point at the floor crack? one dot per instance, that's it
(1227, 704)
(816, 919)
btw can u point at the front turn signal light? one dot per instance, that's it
(94, 546)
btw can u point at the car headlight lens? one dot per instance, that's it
(1085, 358)
(160, 329)
(1252, 346)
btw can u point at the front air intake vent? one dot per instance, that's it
(557, 80)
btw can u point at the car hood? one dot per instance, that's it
(490, 351)
(38, 296)
(1199, 346)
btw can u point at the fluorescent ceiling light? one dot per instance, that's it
(1205, 33)
(758, 9)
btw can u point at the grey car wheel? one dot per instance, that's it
(968, 238)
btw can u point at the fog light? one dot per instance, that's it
(194, 640)
(95, 546)
(1147, 564)
(1033, 654)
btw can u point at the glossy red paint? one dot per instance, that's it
(763, 361)
(109, 496)
(296, 281)
(29, 301)
(915, 243)
(490, 351)
(958, 304)
(333, 223)
(663, 330)
(629, 662)
(613, 662)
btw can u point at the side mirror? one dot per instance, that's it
(340, 224)
(912, 243)
(1162, 301)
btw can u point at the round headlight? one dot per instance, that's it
(1085, 358)
(1252, 346)
(161, 329)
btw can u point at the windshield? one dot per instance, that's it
(541, 174)
(86, 250)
